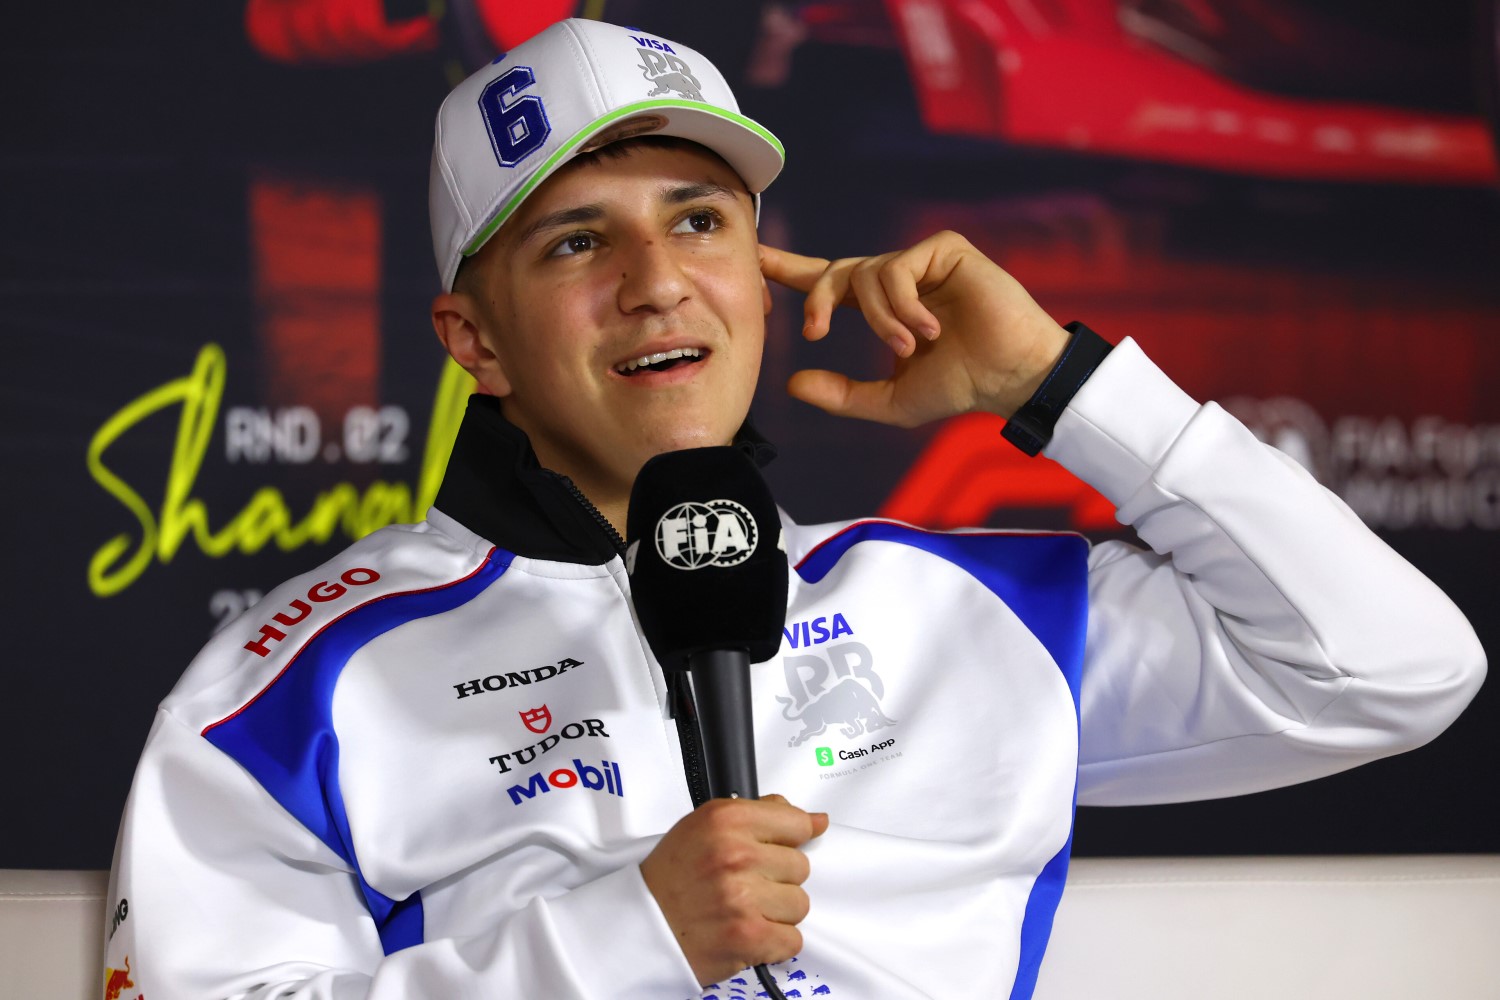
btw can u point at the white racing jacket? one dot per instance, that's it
(430, 767)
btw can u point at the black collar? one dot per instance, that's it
(495, 487)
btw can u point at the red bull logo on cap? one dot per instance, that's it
(669, 74)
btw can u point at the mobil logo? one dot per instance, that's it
(604, 778)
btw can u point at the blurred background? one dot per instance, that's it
(215, 271)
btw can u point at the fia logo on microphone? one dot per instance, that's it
(716, 533)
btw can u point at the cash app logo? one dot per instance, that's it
(825, 756)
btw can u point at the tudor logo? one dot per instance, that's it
(716, 533)
(537, 719)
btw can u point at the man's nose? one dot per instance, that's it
(651, 277)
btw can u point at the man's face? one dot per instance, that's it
(612, 261)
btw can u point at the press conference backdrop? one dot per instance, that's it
(218, 367)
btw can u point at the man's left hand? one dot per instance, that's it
(966, 335)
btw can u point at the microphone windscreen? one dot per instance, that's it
(705, 556)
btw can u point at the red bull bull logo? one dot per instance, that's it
(837, 687)
(669, 75)
(116, 981)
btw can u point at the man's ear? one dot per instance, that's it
(460, 326)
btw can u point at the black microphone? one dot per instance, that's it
(708, 576)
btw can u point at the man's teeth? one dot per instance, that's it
(656, 359)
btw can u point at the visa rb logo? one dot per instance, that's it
(604, 778)
(833, 686)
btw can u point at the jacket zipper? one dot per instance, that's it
(679, 698)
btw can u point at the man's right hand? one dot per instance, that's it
(728, 878)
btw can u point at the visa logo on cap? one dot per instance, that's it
(651, 43)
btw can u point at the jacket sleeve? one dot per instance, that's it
(1268, 638)
(228, 896)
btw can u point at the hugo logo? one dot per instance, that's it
(716, 533)
(319, 593)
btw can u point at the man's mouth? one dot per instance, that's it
(661, 361)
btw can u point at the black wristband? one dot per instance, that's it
(1030, 427)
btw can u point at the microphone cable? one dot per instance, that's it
(768, 981)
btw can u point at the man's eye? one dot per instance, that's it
(573, 243)
(699, 222)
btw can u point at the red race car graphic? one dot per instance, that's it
(1280, 88)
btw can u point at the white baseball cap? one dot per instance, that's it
(571, 88)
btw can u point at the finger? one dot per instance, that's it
(764, 821)
(870, 294)
(782, 827)
(785, 904)
(843, 396)
(778, 942)
(819, 819)
(827, 293)
(790, 269)
(745, 942)
(787, 865)
(898, 277)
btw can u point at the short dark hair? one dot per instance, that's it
(624, 147)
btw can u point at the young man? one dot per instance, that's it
(445, 763)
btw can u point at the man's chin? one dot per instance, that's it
(690, 438)
(684, 441)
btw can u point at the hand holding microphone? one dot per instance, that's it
(709, 582)
(728, 878)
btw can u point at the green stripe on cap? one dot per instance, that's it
(592, 128)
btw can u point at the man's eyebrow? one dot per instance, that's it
(592, 213)
(559, 219)
(693, 192)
